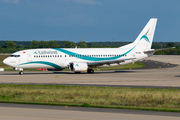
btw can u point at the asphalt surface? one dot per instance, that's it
(154, 75)
(42, 112)
(156, 64)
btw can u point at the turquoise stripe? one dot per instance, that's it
(42, 62)
(80, 56)
(144, 36)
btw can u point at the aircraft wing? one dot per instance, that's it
(153, 50)
(108, 62)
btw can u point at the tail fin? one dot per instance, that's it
(145, 38)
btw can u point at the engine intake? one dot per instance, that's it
(78, 67)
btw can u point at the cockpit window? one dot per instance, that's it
(15, 56)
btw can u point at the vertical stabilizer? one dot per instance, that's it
(145, 38)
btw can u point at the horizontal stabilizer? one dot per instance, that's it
(164, 49)
(153, 50)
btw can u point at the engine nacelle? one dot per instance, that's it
(78, 67)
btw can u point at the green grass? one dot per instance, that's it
(106, 97)
(128, 66)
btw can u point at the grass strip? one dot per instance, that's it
(154, 99)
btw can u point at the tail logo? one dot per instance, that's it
(145, 37)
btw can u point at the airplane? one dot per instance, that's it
(84, 59)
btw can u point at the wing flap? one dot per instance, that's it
(98, 63)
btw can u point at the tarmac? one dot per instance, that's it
(44, 112)
(155, 75)
(174, 59)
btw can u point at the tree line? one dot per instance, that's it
(13, 46)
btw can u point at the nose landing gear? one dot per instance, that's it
(21, 72)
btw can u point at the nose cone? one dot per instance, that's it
(6, 61)
(10, 62)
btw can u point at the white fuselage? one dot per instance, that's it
(60, 58)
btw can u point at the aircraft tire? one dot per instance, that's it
(91, 71)
(21, 72)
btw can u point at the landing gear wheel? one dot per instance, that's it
(21, 72)
(90, 71)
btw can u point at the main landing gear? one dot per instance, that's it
(91, 71)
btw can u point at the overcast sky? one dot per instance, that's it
(90, 20)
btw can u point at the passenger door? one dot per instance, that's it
(29, 56)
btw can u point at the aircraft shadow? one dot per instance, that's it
(66, 72)
(177, 76)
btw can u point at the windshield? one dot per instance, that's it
(15, 56)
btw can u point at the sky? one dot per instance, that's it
(88, 20)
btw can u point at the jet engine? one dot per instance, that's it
(78, 67)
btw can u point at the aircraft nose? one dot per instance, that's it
(6, 61)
